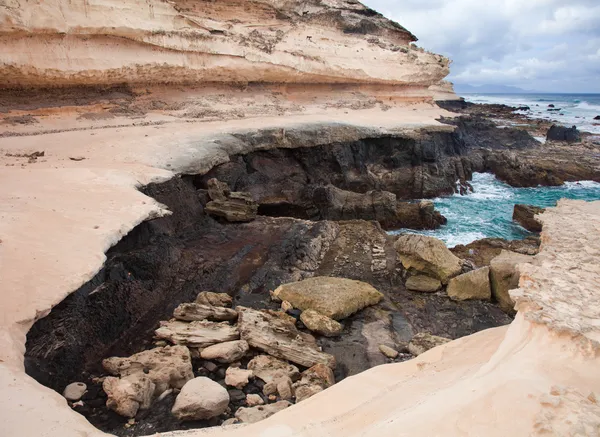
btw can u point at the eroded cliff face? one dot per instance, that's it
(91, 42)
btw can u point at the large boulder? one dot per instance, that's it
(424, 284)
(424, 341)
(504, 276)
(227, 352)
(471, 285)
(320, 324)
(129, 394)
(201, 398)
(260, 412)
(189, 312)
(197, 334)
(525, 216)
(167, 367)
(427, 255)
(276, 334)
(563, 133)
(336, 298)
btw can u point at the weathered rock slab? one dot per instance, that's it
(128, 394)
(227, 352)
(190, 312)
(525, 216)
(423, 284)
(214, 299)
(201, 398)
(424, 341)
(261, 412)
(197, 334)
(471, 285)
(313, 381)
(270, 369)
(321, 324)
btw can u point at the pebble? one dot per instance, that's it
(74, 391)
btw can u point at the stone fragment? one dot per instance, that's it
(167, 367)
(252, 400)
(313, 381)
(321, 324)
(129, 394)
(238, 207)
(74, 391)
(261, 412)
(227, 352)
(279, 337)
(270, 369)
(238, 378)
(190, 312)
(427, 255)
(424, 284)
(336, 298)
(231, 421)
(197, 334)
(424, 341)
(218, 190)
(504, 276)
(471, 286)
(525, 216)
(286, 306)
(270, 388)
(388, 351)
(201, 398)
(214, 299)
(285, 389)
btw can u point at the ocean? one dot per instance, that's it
(575, 109)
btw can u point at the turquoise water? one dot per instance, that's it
(487, 212)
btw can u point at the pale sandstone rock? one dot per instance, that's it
(189, 312)
(214, 299)
(74, 391)
(253, 400)
(424, 341)
(201, 398)
(128, 394)
(471, 285)
(336, 298)
(270, 369)
(427, 255)
(238, 207)
(321, 324)
(313, 381)
(167, 367)
(276, 335)
(423, 284)
(286, 306)
(238, 378)
(197, 334)
(227, 352)
(285, 389)
(504, 276)
(261, 412)
(388, 351)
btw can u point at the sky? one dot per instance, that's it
(542, 45)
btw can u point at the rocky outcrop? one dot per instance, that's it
(562, 133)
(504, 276)
(525, 216)
(336, 298)
(200, 398)
(471, 285)
(482, 252)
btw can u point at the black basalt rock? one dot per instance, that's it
(562, 133)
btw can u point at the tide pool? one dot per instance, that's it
(487, 212)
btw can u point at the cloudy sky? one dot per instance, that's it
(544, 45)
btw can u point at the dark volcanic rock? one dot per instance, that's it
(525, 216)
(562, 133)
(597, 117)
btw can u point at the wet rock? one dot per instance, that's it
(74, 391)
(189, 312)
(313, 381)
(167, 367)
(197, 334)
(128, 394)
(336, 298)
(562, 133)
(388, 351)
(421, 215)
(227, 352)
(270, 369)
(472, 285)
(321, 324)
(525, 216)
(201, 398)
(278, 336)
(424, 284)
(261, 412)
(427, 255)
(252, 400)
(214, 299)
(238, 378)
(424, 341)
(504, 276)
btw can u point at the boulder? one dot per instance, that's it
(421, 215)
(313, 381)
(336, 298)
(271, 369)
(201, 398)
(261, 412)
(424, 341)
(388, 351)
(227, 352)
(218, 190)
(504, 276)
(474, 285)
(427, 255)
(167, 367)
(525, 216)
(189, 312)
(197, 334)
(424, 284)
(128, 394)
(321, 324)
(274, 333)
(238, 378)
(74, 391)
(214, 299)
(252, 400)
(562, 133)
